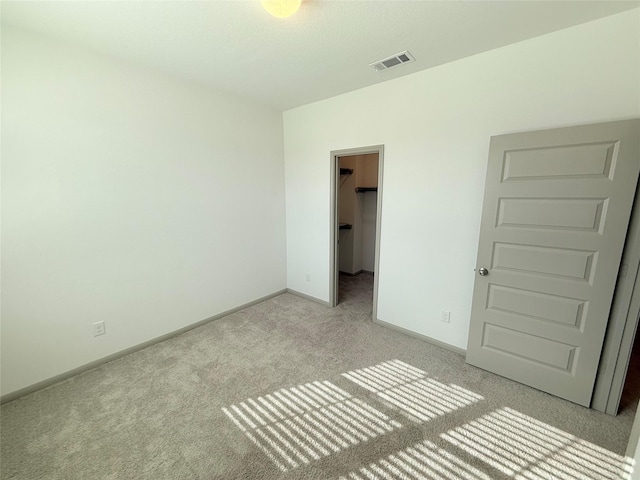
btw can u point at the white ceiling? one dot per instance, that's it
(324, 50)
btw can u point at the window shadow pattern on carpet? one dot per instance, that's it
(296, 426)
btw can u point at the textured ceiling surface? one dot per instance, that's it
(322, 51)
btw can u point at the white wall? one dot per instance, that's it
(435, 126)
(128, 196)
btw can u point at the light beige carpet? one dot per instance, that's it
(294, 390)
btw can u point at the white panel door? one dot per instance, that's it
(554, 220)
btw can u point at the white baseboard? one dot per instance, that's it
(430, 340)
(307, 297)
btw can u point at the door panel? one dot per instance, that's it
(575, 161)
(558, 262)
(528, 348)
(537, 307)
(551, 213)
(554, 220)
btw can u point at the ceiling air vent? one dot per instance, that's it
(393, 61)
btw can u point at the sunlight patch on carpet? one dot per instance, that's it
(524, 448)
(298, 425)
(406, 387)
(424, 460)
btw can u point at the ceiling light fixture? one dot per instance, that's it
(281, 8)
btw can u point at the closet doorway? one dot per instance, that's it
(356, 194)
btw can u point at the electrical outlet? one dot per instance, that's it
(308, 277)
(98, 329)
(445, 316)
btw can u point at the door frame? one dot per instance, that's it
(334, 230)
(623, 322)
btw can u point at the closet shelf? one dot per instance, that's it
(346, 171)
(366, 189)
(346, 226)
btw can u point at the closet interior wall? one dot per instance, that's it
(357, 213)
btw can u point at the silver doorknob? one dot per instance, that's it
(483, 272)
